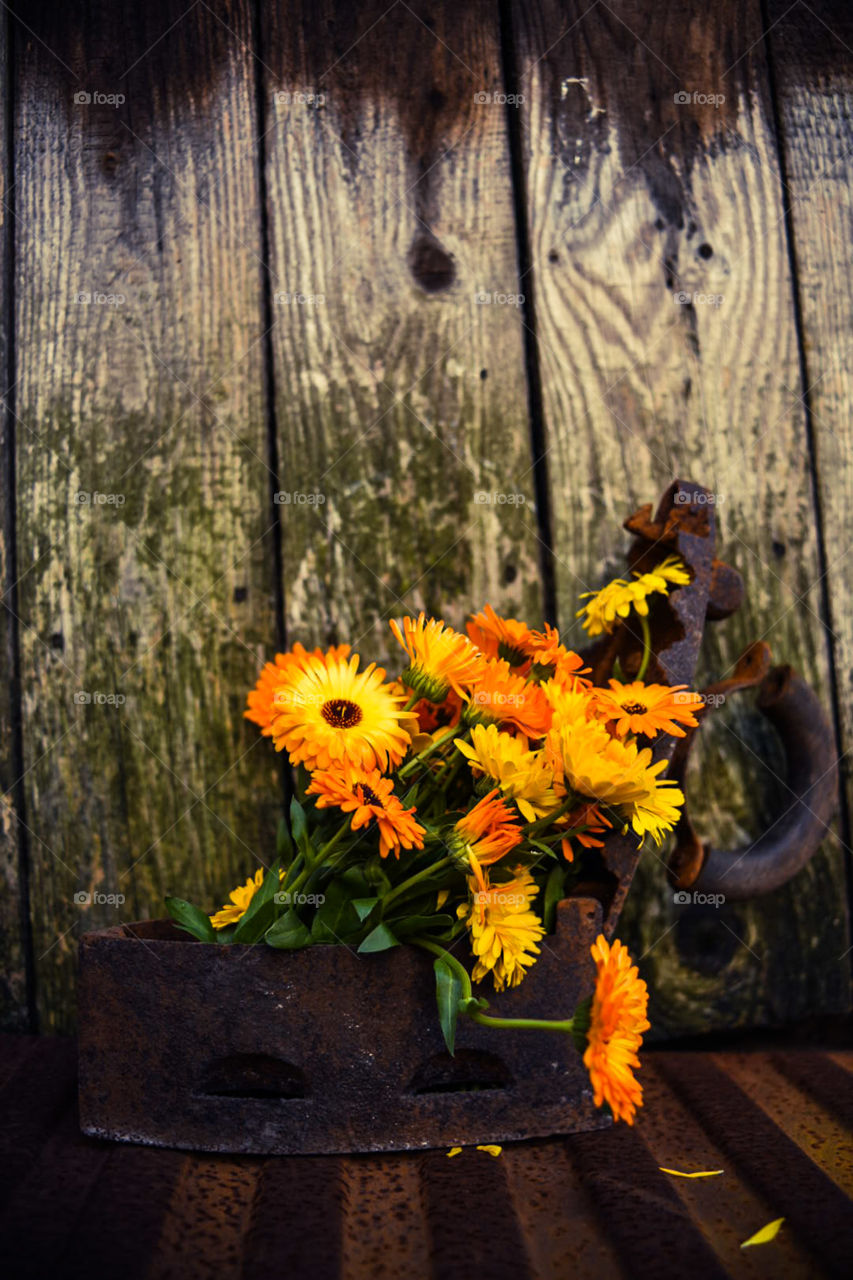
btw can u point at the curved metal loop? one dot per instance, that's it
(795, 712)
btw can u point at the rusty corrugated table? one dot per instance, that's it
(590, 1205)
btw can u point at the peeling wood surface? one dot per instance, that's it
(812, 56)
(299, 221)
(13, 976)
(140, 385)
(665, 312)
(400, 392)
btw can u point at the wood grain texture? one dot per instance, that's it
(13, 889)
(811, 52)
(668, 346)
(401, 400)
(138, 281)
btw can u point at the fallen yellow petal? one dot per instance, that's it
(491, 1148)
(454, 1151)
(700, 1173)
(766, 1234)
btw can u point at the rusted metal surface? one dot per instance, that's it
(811, 785)
(246, 1049)
(594, 1206)
(684, 524)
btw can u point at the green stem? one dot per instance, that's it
(485, 1019)
(427, 751)
(456, 965)
(647, 643)
(541, 824)
(314, 863)
(421, 875)
(522, 1024)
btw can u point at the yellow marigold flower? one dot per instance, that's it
(656, 813)
(369, 797)
(238, 901)
(504, 930)
(648, 709)
(617, 1020)
(522, 775)
(499, 696)
(616, 600)
(327, 712)
(261, 700)
(569, 702)
(487, 832)
(591, 763)
(440, 659)
(588, 761)
(498, 637)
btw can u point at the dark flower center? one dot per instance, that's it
(370, 796)
(634, 709)
(340, 713)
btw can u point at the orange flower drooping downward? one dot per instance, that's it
(369, 797)
(617, 1020)
(488, 831)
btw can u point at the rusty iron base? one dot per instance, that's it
(249, 1050)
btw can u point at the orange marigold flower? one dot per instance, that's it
(488, 831)
(584, 824)
(617, 1020)
(499, 637)
(553, 660)
(440, 659)
(368, 796)
(326, 712)
(261, 699)
(497, 695)
(648, 709)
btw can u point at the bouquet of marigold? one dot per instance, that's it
(454, 806)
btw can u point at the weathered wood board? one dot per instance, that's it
(143, 515)
(14, 995)
(811, 52)
(304, 234)
(401, 400)
(667, 346)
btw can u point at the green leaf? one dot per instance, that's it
(420, 924)
(261, 910)
(364, 906)
(448, 991)
(376, 876)
(288, 933)
(379, 939)
(336, 918)
(299, 830)
(470, 1004)
(191, 919)
(284, 849)
(298, 821)
(554, 890)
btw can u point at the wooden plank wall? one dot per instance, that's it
(286, 228)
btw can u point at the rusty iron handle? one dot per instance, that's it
(779, 853)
